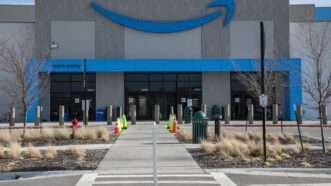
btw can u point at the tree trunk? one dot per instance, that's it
(322, 127)
(24, 124)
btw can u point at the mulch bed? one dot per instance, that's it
(68, 142)
(315, 158)
(63, 161)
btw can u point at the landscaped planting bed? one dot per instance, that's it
(56, 136)
(32, 158)
(49, 160)
(244, 150)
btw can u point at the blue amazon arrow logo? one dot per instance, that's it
(169, 26)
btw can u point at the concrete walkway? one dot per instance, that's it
(130, 161)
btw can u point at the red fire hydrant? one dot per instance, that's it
(74, 126)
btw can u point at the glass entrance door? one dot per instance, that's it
(145, 90)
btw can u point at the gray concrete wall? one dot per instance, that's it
(185, 44)
(17, 13)
(216, 89)
(75, 39)
(302, 13)
(110, 37)
(110, 89)
(301, 48)
(245, 39)
(13, 35)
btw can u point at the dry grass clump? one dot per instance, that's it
(34, 152)
(32, 134)
(184, 135)
(48, 133)
(14, 151)
(78, 152)
(248, 147)
(51, 152)
(81, 133)
(91, 134)
(208, 147)
(103, 133)
(305, 164)
(8, 137)
(62, 133)
(2, 152)
(287, 139)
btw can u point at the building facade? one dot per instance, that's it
(310, 32)
(148, 52)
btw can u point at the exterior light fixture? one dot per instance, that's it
(54, 45)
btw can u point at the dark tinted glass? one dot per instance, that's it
(137, 77)
(60, 77)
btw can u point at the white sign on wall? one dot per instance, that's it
(263, 100)
(189, 102)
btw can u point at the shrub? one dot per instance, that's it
(305, 164)
(51, 152)
(208, 147)
(8, 137)
(34, 152)
(14, 151)
(81, 133)
(91, 133)
(103, 133)
(32, 134)
(47, 133)
(186, 136)
(2, 152)
(63, 133)
(78, 152)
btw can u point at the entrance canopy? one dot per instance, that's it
(290, 66)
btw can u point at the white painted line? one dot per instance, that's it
(162, 182)
(270, 169)
(87, 180)
(222, 179)
(280, 174)
(149, 176)
(304, 184)
(56, 174)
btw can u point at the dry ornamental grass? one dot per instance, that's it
(248, 147)
(78, 152)
(34, 152)
(50, 134)
(51, 152)
(14, 151)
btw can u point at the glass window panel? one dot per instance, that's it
(137, 77)
(183, 77)
(90, 85)
(196, 84)
(60, 77)
(156, 77)
(184, 84)
(77, 77)
(137, 86)
(195, 77)
(60, 86)
(170, 86)
(77, 87)
(156, 86)
(170, 77)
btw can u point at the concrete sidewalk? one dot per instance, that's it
(130, 160)
(132, 153)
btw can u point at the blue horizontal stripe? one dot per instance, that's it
(166, 65)
(323, 14)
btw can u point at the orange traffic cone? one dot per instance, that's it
(174, 126)
(117, 129)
